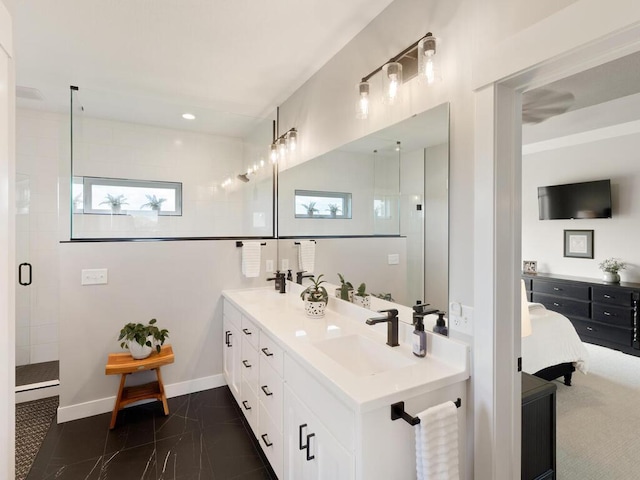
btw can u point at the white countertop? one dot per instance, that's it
(283, 318)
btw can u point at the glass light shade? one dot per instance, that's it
(427, 61)
(392, 82)
(273, 153)
(292, 140)
(362, 104)
(282, 147)
(525, 318)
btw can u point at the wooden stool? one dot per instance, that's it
(125, 364)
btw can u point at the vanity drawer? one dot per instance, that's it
(250, 365)
(270, 392)
(608, 333)
(620, 316)
(232, 314)
(579, 292)
(272, 353)
(613, 296)
(271, 441)
(249, 406)
(565, 306)
(250, 332)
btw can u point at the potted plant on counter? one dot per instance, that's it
(310, 208)
(334, 209)
(141, 339)
(345, 290)
(153, 203)
(610, 268)
(115, 202)
(361, 297)
(315, 298)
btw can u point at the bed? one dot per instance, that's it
(554, 348)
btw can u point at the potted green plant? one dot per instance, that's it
(142, 339)
(361, 297)
(315, 298)
(345, 290)
(115, 202)
(154, 203)
(334, 209)
(311, 208)
(610, 268)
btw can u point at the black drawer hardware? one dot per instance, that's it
(607, 296)
(557, 289)
(246, 363)
(267, 352)
(240, 244)
(309, 437)
(555, 304)
(609, 314)
(245, 405)
(30, 269)
(397, 412)
(302, 447)
(265, 439)
(246, 331)
(590, 329)
(227, 338)
(266, 391)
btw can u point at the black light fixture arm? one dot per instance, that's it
(395, 58)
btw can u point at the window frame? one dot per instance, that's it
(345, 197)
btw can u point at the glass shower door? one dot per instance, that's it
(24, 270)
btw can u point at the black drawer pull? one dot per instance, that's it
(229, 335)
(266, 440)
(302, 447)
(590, 329)
(610, 314)
(246, 363)
(246, 331)
(244, 404)
(557, 289)
(267, 352)
(266, 391)
(226, 337)
(309, 437)
(557, 304)
(608, 296)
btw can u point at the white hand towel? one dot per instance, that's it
(437, 443)
(251, 259)
(307, 255)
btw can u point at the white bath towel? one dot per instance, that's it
(437, 443)
(307, 255)
(251, 259)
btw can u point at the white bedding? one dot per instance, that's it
(553, 341)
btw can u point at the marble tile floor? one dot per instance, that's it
(204, 437)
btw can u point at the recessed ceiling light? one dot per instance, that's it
(188, 116)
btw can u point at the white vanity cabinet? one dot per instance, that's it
(231, 357)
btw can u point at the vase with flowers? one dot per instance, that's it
(610, 268)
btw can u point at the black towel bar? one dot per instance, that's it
(239, 244)
(298, 243)
(397, 411)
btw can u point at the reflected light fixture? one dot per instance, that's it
(392, 79)
(188, 116)
(283, 145)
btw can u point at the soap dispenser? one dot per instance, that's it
(419, 337)
(440, 326)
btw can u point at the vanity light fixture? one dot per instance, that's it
(425, 51)
(283, 145)
(188, 116)
(397, 146)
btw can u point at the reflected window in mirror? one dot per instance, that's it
(317, 204)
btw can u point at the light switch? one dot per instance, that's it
(393, 259)
(94, 276)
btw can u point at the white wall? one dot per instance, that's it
(543, 240)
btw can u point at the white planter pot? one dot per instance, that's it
(364, 302)
(138, 351)
(611, 277)
(349, 295)
(314, 309)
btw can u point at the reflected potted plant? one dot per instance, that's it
(141, 339)
(315, 298)
(361, 297)
(610, 268)
(311, 208)
(153, 203)
(345, 290)
(333, 209)
(115, 202)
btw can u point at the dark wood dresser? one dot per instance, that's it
(538, 428)
(602, 313)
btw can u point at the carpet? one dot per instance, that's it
(598, 419)
(32, 424)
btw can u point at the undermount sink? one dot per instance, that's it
(362, 356)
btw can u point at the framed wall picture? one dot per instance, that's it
(530, 266)
(578, 243)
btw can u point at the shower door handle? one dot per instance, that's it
(30, 268)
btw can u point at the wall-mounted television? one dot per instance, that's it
(575, 200)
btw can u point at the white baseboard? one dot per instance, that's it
(103, 405)
(44, 390)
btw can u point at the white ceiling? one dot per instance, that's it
(229, 62)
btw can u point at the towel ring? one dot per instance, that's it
(397, 412)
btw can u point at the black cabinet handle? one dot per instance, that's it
(30, 268)
(302, 447)
(246, 363)
(229, 339)
(244, 404)
(309, 437)
(266, 391)
(246, 331)
(607, 296)
(265, 439)
(267, 352)
(609, 314)
(557, 289)
(590, 329)
(556, 304)
(226, 337)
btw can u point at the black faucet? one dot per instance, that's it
(391, 318)
(420, 310)
(300, 276)
(280, 281)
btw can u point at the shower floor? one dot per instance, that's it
(37, 372)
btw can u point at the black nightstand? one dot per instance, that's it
(538, 428)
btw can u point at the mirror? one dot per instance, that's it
(391, 227)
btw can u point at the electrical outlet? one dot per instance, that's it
(94, 276)
(461, 318)
(269, 266)
(285, 265)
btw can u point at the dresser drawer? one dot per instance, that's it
(250, 332)
(271, 442)
(270, 392)
(578, 292)
(249, 406)
(614, 296)
(272, 353)
(619, 316)
(565, 306)
(250, 365)
(594, 330)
